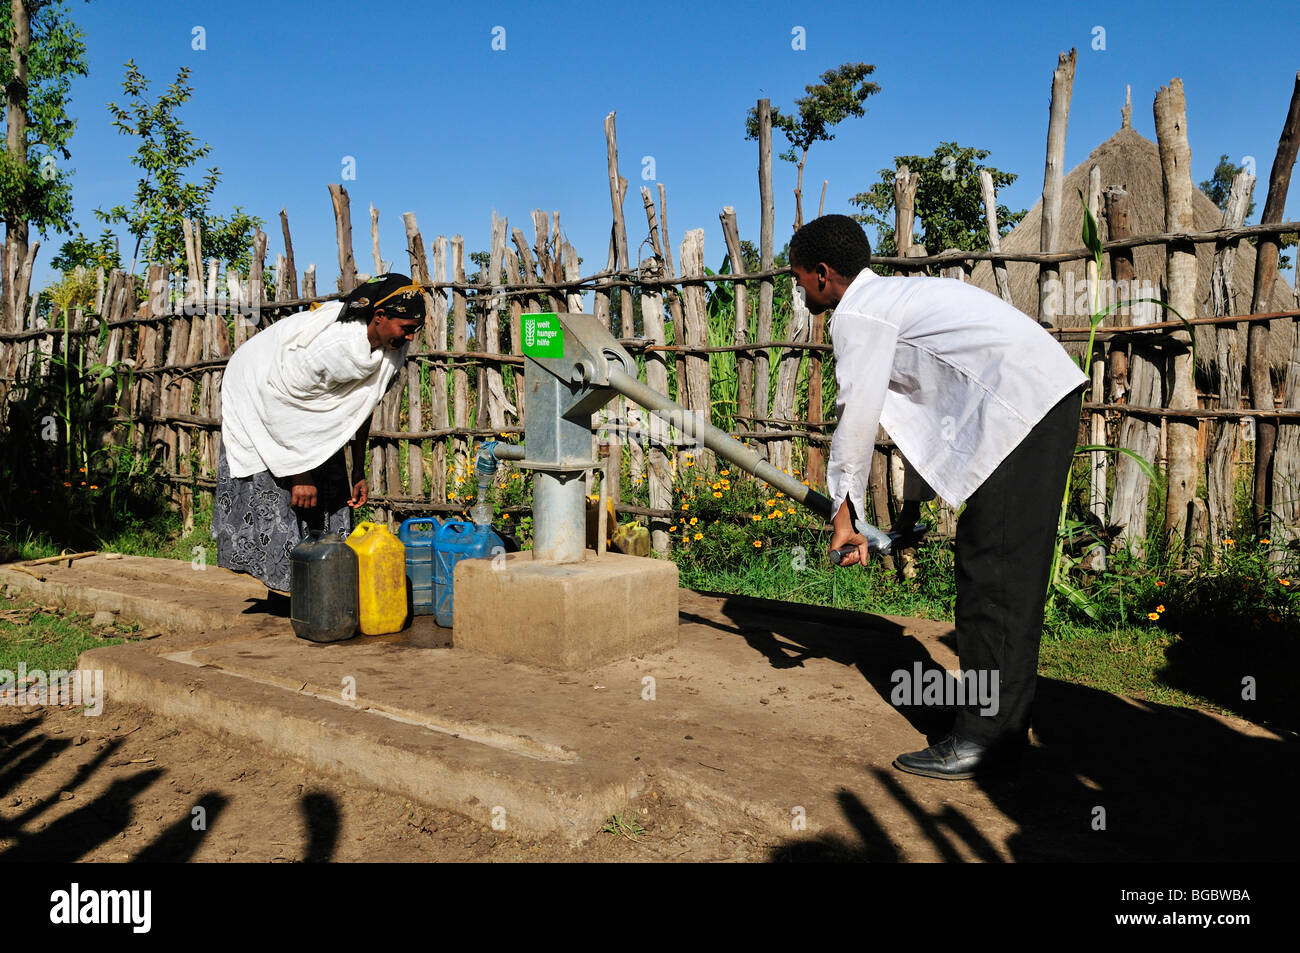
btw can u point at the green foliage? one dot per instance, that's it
(949, 201)
(82, 252)
(1219, 185)
(163, 198)
(34, 186)
(840, 95)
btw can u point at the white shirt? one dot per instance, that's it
(293, 394)
(955, 375)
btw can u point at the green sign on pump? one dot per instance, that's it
(543, 335)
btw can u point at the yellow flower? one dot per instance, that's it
(505, 516)
(686, 506)
(694, 520)
(1266, 541)
(758, 544)
(690, 463)
(1153, 616)
(717, 495)
(699, 535)
(756, 518)
(1160, 608)
(776, 515)
(790, 511)
(672, 529)
(725, 473)
(93, 487)
(770, 502)
(1227, 542)
(1159, 583)
(1284, 582)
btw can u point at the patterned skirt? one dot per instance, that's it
(256, 528)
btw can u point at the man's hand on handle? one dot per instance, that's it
(844, 535)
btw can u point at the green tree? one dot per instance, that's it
(949, 201)
(840, 94)
(82, 252)
(1217, 188)
(43, 51)
(163, 197)
(1219, 185)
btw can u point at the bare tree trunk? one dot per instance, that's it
(1220, 484)
(696, 334)
(1261, 385)
(1097, 433)
(1049, 294)
(905, 182)
(16, 230)
(744, 361)
(617, 190)
(995, 240)
(343, 235)
(658, 472)
(767, 255)
(288, 254)
(1180, 272)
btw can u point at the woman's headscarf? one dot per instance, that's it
(396, 294)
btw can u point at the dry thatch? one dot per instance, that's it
(1131, 161)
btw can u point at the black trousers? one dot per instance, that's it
(1005, 538)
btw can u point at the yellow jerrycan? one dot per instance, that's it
(381, 578)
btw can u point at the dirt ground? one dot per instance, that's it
(125, 787)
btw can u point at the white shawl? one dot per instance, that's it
(296, 392)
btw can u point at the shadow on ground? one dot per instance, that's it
(1109, 779)
(75, 835)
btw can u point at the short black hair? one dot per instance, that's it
(837, 240)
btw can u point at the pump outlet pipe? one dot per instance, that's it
(732, 450)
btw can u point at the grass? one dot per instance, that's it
(49, 637)
(623, 824)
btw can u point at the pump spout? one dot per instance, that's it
(485, 468)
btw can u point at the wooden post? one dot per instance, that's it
(744, 359)
(374, 240)
(516, 275)
(697, 335)
(309, 282)
(1049, 282)
(1220, 482)
(787, 379)
(1180, 272)
(1261, 385)
(617, 190)
(459, 376)
(414, 397)
(905, 182)
(438, 376)
(767, 257)
(1129, 505)
(1121, 273)
(995, 240)
(1097, 432)
(658, 436)
(492, 395)
(343, 235)
(288, 254)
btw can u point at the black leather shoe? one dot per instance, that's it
(955, 759)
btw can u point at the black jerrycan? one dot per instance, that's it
(323, 588)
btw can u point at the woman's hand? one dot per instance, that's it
(359, 494)
(303, 495)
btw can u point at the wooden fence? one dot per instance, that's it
(165, 358)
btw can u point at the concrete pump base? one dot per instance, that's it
(571, 616)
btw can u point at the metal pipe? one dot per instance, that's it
(731, 449)
(559, 515)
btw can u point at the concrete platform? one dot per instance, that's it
(766, 717)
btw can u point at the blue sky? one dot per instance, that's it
(441, 124)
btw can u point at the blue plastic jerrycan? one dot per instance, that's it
(457, 540)
(418, 535)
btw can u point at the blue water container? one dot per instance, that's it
(457, 540)
(418, 535)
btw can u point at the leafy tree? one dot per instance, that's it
(949, 201)
(839, 95)
(1219, 185)
(163, 198)
(43, 51)
(1217, 188)
(83, 252)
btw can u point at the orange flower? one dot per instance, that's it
(758, 544)
(717, 496)
(1284, 582)
(725, 473)
(699, 535)
(1160, 608)
(1153, 616)
(756, 518)
(1159, 583)
(672, 529)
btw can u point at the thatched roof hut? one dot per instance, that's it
(1130, 160)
